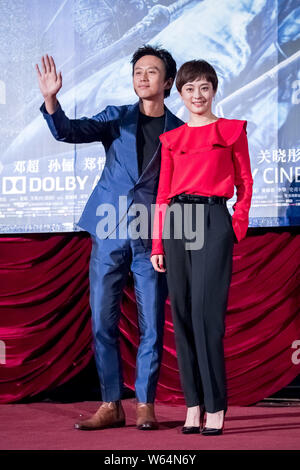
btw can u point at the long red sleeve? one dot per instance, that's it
(244, 182)
(162, 200)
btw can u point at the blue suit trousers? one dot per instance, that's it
(110, 263)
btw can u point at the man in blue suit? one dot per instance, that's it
(127, 185)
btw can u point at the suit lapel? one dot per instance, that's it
(170, 123)
(128, 137)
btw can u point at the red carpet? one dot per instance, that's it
(42, 426)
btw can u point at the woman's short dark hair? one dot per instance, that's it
(163, 54)
(190, 71)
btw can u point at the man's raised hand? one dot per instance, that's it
(50, 82)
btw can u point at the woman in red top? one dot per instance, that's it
(201, 162)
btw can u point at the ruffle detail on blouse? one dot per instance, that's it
(165, 142)
(235, 127)
(223, 133)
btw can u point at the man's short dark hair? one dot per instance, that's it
(194, 69)
(163, 54)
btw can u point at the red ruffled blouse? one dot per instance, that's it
(209, 161)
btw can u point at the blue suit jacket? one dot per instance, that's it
(116, 128)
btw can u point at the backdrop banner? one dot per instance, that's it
(254, 46)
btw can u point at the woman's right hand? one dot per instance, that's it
(158, 263)
(50, 82)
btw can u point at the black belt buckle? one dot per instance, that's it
(217, 200)
(199, 199)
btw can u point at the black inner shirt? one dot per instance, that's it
(148, 131)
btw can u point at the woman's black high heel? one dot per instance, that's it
(214, 431)
(195, 429)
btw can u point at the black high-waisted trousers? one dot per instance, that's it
(198, 282)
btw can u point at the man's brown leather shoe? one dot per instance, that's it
(145, 417)
(109, 415)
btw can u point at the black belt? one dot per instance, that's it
(200, 199)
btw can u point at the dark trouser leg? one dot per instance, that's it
(205, 275)
(178, 264)
(211, 275)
